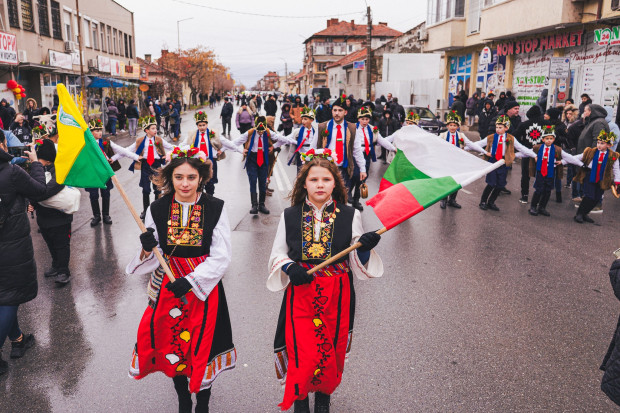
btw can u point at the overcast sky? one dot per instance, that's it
(252, 45)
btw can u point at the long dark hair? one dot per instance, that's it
(163, 177)
(299, 193)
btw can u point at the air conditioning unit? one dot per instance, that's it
(92, 64)
(71, 47)
(22, 56)
(422, 35)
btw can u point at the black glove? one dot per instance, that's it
(179, 287)
(368, 240)
(298, 275)
(148, 239)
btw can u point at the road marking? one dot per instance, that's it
(466, 191)
(286, 180)
(277, 178)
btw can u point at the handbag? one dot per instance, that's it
(67, 200)
(364, 190)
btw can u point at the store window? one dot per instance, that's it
(95, 32)
(13, 13)
(460, 76)
(441, 10)
(27, 18)
(44, 22)
(49, 97)
(491, 76)
(56, 25)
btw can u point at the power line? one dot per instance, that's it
(264, 15)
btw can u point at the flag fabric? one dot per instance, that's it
(79, 160)
(425, 170)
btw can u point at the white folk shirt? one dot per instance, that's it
(615, 167)
(310, 140)
(207, 274)
(524, 150)
(278, 279)
(358, 154)
(376, 138)
(467, 143)
(120, 152)
(278, 140)
(147, 141)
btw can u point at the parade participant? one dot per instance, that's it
(529, 134)
(544, 170)
(460, 140)
(112, 153)
(500, 145)
(188, 338)
(366, 137)
(338, 136)
(208, 142)
(257, 143)
(151, 150)
(303, 138)
(315, 325)
(596, 180)
(412, 118)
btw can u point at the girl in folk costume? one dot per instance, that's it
(366, 137)
(151, 150)
(303, 138)
(500, 145)
(315, 325)
(185, 337)
(453, 137)
(208, 142)
(113, 153)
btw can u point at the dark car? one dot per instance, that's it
(428, 120)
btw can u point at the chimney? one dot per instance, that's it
(332, 22)
(147, 57)
(383, 24)
(164, 52)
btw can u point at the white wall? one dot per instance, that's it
(422, 92)
(411, 66)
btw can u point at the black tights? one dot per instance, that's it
(185, 397)
(490, 194)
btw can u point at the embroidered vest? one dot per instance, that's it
(608, 176)
(335, 235)
(558, 171)
(267, 143)
(109, 152)
(195, 240)
(509, 153)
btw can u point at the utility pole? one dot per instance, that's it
(83, 80)
(368, 53)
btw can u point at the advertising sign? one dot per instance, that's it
(8, 48)
(59, 59)
(559, 68)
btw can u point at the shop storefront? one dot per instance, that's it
(460, 75)
(491, 74)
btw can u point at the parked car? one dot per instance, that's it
(428, 120)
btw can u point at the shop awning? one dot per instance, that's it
(102, 82)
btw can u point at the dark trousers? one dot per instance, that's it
(256, 173)
(93, 193)
(146, 171)
(210, 186)
(525, 176)
(349, 181)
(592, 191)
(58, 241)
(226, 122)
(244, 127)
(356, 181)
(543, 185)
(9, 327)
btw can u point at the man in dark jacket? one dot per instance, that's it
(18, 270)
(594, 119)
(7, 113)
(528, 134)
(226, 115)
(610, 384)
(585, 101)
(55, 225)
(324, 111)
(398, 111)
(458, 106)
(271, 107)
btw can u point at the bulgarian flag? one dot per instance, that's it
(80, 162)
(425, 170)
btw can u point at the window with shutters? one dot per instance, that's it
(473, 16)
(95, 32)
(114, 41)
(492, 2)
(44, 22)
(103, 48)
(56, 26)
(13, 13)
(86, 32)
(441, 10)
(27, 17)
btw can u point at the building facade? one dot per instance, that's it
(567, 47)
(45, 36)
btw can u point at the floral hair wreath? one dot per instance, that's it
(321, 153)
(188, 153)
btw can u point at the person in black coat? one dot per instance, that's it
(324, 111)
(351, 109)
(529, 133)
(226, 115)
(610, 383)
(585, 101)
(398, 112)
(55, 225)
(387, 125)
(271, 107)
(7, 113)
(486, 114)
(458, 106)
(122, 114)
(18, 269)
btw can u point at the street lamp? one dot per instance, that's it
(178, 37)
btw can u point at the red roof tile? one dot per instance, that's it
(344, 28)
(350, 58)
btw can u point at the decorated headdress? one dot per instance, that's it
(548, 130)
(95, 124)
(306, 112)
(147, 121)
(607, 137)
(318, 153)
(261, 123)
(188, 153)
(40, 131)
(341, 101)
(412, 117)
(364, 112)
(453, 117)
(201, 116)
(503, 120)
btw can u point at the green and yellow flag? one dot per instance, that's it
(80, 162)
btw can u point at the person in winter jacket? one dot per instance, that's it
(55, 225)
(244, 119)
(324, 111)
(501, 101)
(486, 115)
(122, 114)
(594, 119)
(271, 107)
(552, 115)
(387, 126)
(286, 119)
(31, 111)
(585, 101)
(132, 117)
(470, 107)
(22, 129)
(610, 383)
(18, 270)
(458, 106)
(613, 127)
(7, 113)
(529, 134)
(226, 115)
(112, 117)
(296, 112)
(398, 111)
(351, 108)
(570, 114)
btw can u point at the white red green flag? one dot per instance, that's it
(425, 170)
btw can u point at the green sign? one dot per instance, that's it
(607, 36)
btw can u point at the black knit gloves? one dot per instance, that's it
(179, 287)
(298, 275)
(368, 240)
(147, 239)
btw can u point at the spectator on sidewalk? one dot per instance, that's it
(398, 111)
(31, 111)
(226, 115)
(21, 129)
(585, 101)
(132, 118)
(271, 107)
(324, 111)
(244, 119)
(112, 117)
(122, 114)
(486, 116)
(286, 119)
(613, 127)
(470, 106)
(296, 112)
(594, 119)
(458, 106)
(7, 113)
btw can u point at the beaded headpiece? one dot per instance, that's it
(412, 117)
(319, 153)
(607, 137)
(453, 117)
(201, 116)
(147, 121)
(95, 124)
(503, 120)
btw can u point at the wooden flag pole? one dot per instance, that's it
(136, 217)
(341, 254)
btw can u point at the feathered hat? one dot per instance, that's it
(95, 124)
(453, 117)
(306, 112)
(260, 123)
(607, 137)
(40, 131)
(412, 117)
(147, 121)
(364, 112)
(548, 130)
(201, 116)
(503, 120)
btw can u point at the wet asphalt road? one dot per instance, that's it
(477, 311)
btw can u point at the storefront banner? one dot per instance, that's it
(63, 60)
(116, 67)
(607, 36)
(8, 49)
(539, 44)
(132, 71)
(103, 64)
(530, 78)
(75, 58)
(485, 56)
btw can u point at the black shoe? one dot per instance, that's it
(558, 197)
(301, 406)
(586, 218)
(261, 203)
(493, 207)
(578, 218)
(356, 204)
(19, 348)
(452, 203)
(523, 199)
(262, 209)
(321, 402)
(63, 279)
(483, 206)
(4, 366)
(254, 209)
(97, 220)
(107, 220)
(52, 272)
(544, 212)
(442, 204)
(505, 191)
(532, 211)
